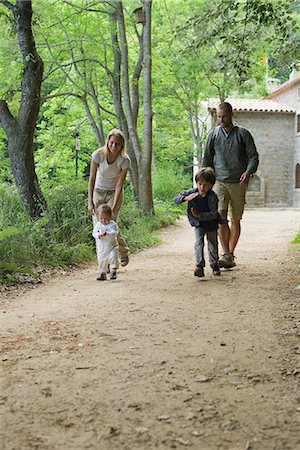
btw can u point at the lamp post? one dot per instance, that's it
(77, 148)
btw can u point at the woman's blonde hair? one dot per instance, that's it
(118, 133)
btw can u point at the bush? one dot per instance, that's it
(168, 181)
(63, 235)
(296, 240)
(138, 228)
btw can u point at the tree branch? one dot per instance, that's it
(8, 5)
(7, 120)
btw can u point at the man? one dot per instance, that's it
(231, 151)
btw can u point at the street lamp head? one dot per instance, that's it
(139, 15)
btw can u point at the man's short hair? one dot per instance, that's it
(225, 105)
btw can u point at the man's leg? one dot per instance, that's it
(236, 208)
(224, 233)
(235, 231)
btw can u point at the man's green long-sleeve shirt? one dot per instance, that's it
(230, 155)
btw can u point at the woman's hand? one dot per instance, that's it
(91, 207)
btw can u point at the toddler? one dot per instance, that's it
(105, 233)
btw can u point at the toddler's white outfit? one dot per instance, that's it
(107, 246)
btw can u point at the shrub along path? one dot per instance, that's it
(159, 359)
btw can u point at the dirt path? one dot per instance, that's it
(159, 359)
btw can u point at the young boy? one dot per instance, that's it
(202, 211)
(105, 233)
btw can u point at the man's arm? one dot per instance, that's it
(209, 151)
(251, 152)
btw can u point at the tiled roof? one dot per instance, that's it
(251, 105)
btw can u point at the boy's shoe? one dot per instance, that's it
(216, 270)
(124, 260)
(113, 275)
(199, 272)
(102, 277)
(227, 261)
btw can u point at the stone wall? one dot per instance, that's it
(291, 97)
(274, 137)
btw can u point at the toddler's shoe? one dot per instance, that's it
(113, 275)
(199, 272)
(102, 277)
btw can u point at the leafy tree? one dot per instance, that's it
(20, 127)
(105, 78)
(236, 30)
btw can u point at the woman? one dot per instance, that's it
(109, 167)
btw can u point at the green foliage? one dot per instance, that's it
(12, 273)
(168, 181)
(7, 232)
(296, 240)
(63, 235)
(237, 32)
(139, 229)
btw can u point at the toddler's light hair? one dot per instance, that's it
(105, 209)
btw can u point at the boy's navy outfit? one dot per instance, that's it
(205, 224)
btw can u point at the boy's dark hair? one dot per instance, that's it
(206, 174)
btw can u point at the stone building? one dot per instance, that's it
(274, 122)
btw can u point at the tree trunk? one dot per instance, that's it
(143, 157)
(145, 181)
(117, 97)
(20, 130)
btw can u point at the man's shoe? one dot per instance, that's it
(102, 277)
(199, 272)
(227, 261)
(124, 260)
(113, 275)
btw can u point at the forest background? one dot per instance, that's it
(96, 65)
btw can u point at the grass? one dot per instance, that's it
(62, 236)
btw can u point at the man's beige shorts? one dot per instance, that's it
(232, 197)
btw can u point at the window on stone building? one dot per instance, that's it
(298, 123)
(297, 177)
(255, 184)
